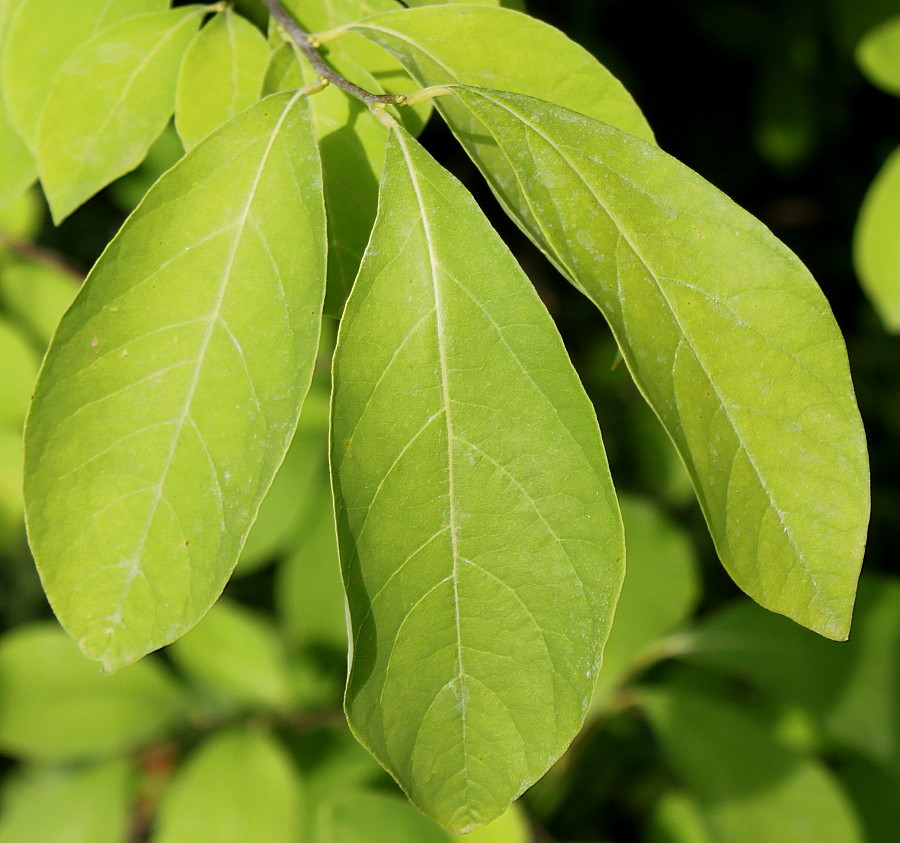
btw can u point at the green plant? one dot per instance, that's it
(480, 537)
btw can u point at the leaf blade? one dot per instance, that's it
(431, 661)
(682, 273)
(213, 316)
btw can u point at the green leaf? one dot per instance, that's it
(482, 560)
(221, 75)
(300, 481)
(876, 247)
(677, 819)
(42, 34)
(239, 787)
(874, 794)
(518, 46)
(237, 654)
(22, 218)
(37, 295)
(90, 133)
(17, 374)
(174, 384)
(163, 154)
(309, 592)
(86, 805)
(749, 786)
(58, 706)
(725, 332)
(12, 507)
(375, 818)
(878, 56)
(660, 591)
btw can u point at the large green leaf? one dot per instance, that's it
(749, 786)
(725, 332)
(526, 56)
(221, 75)
(878, 55)
(482, 559)
(237, 655)
(87, 805)
(91, 132)
(174, 384)
(877, 243)
(239, 787)
(17, 165)
(42, 34)
(57, 706)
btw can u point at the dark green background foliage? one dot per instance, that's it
(714, 721)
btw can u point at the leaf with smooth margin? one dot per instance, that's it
(17, 165)
(90, 133)
(173, 387)
(374, 818)
(42, 34)
(878, 56)
(482, 559)
(661, 589)
(56, 705)
(79, 805)
(509, 827)
(749, 786)
(221, 74)
(726, 334)
(876, 246)
(518, 46)
(352, 145)
(238, 787)
(237, 654)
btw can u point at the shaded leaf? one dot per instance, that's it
(41, 36)
(86, 805)
(518, 46)
(878, 56)
(769, 431)
(163, 154)
(17, 373)
(12, 507)
(677, 819)
(237, 654)
(749, 787)
(482, 560)
(375, 818)
(221, 75)
(22, 218)
(91, 133)
(173, 387)
(238, 787)
(876, 247)
(660, 591)
(57, 706)
(37, 295)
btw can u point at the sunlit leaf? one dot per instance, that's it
(80, 805)
(221, 75)
(878, 55)
(510, 827)
(236, 654)
(41, 35)
(22, 218)
(877, 243)
(238, 787)
(749, 787)
(56, 705)
(37, 294)
(519, 48)
(769, 431)
(92, 132)
(174, 384)
(482, 559)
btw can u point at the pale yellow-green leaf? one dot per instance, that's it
(878, 55)
(174, 384)
(18, 369)
(221, 74)
(725, 332)
(482, 559)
